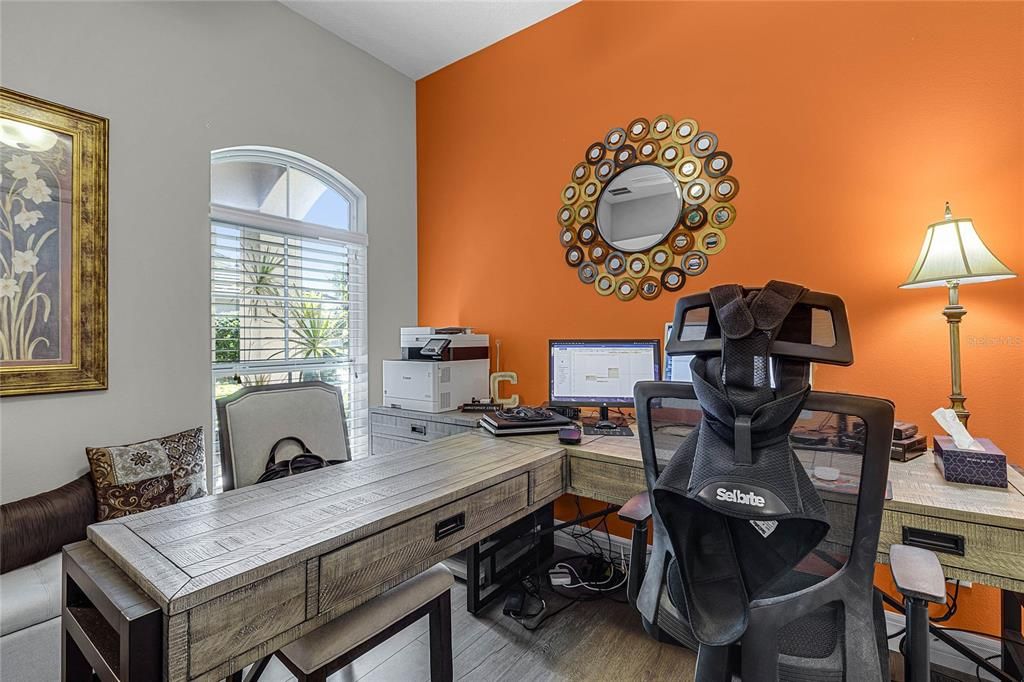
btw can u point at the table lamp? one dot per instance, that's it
(953, 254)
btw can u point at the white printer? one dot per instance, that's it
(440, 369)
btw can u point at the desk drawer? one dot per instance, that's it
(547, 480)
(987, 549)
(385, 445)
(433, 536)
(413, 427)
(613, 483)
(238, 621)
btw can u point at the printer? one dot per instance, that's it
(440, 369)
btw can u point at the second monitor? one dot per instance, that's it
(600, 373)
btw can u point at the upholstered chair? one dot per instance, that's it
(251, 421)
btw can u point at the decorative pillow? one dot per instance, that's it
(154, 473)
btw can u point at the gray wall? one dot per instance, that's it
(177, 80)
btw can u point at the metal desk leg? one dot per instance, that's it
(73, 665)
(546, 543)
(536, 527)
(1013, 643)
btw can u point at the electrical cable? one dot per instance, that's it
(977, 666)
(976, 632)
(608, 576)
(950, 607)
(525, 414)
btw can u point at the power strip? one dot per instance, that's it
(559, 577)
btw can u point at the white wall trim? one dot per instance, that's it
(564, 539)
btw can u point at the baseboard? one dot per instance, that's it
(944, 660)
(619, 545)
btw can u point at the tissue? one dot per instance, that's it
(963, 459)
(952, 425)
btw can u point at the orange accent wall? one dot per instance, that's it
(849, 125)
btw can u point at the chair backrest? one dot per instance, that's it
(254, 418)
(845, 432)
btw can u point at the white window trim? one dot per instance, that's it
(355, 235)
(298, 228)
(321, 171)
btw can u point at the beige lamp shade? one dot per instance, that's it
(953, 252)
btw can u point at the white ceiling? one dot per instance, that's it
(418, 37)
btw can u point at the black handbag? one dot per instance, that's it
(299, 464)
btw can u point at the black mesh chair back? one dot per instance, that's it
(823, 620)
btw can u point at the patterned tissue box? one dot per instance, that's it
(977, 467)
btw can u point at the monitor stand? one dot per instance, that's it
(604, 425)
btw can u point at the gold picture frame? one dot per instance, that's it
(53, 247)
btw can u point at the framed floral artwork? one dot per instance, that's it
(53, 247)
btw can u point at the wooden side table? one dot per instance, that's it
(109, 625)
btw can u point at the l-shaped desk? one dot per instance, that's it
(199, 590)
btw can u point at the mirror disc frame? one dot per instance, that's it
(604, 284)
(702, 172)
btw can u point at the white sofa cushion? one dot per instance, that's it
(30, 595)
(346, 631)
(31, 654)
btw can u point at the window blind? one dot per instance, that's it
(287, 306)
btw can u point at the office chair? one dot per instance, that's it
(822, 620)
(251, 421)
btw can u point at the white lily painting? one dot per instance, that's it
(35, 225)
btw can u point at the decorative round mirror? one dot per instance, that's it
(646, 207)
(639, 207)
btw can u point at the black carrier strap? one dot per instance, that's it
(738, 507)
(749, 326)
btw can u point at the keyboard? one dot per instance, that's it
(618, 431)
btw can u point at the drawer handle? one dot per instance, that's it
(454, 524)
(419, 428)
(947, 543)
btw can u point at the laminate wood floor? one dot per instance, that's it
(601, 640)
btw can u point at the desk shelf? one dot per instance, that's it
(110, 627)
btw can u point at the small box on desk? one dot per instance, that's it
(977, 467)
(906, 449)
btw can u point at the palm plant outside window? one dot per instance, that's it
(288, 267)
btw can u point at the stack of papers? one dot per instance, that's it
(500, 426)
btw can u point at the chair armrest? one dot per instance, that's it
(917, 573)
(637, 510)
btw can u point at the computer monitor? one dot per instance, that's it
(677, 367)
(600, 372)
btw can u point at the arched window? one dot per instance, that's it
(288, 266)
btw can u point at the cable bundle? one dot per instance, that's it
(596, 573)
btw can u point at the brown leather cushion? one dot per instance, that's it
(38, 526)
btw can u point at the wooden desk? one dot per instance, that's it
(990, 520)
(240, 574)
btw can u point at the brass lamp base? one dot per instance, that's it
(954, 312)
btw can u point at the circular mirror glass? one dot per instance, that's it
(639, 207)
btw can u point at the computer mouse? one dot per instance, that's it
(570, 435)
(826, 473)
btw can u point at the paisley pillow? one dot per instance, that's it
(154, 473)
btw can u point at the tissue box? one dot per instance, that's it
(977, 467)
